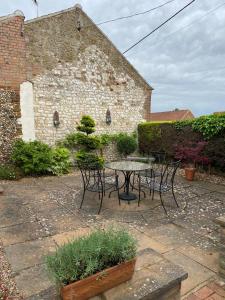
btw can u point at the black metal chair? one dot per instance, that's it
(161, 184)
(95, 180)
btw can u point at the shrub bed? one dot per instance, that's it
(37, 158)
(166, 136)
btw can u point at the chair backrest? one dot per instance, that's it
(92, 177)
(169, 173)
(159, 157)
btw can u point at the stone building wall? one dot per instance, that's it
(9, 127)
(80, 72)
(62, 89)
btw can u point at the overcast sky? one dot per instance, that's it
(185, 66)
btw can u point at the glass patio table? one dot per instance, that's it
(128, 168)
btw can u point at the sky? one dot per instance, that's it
(184, 61)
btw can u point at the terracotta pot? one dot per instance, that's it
(190, 173)
(98, 283)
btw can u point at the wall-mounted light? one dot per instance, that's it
(108, 118)
(56, 121)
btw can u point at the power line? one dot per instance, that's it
(147, 35)
(189, 24)
(136, 14)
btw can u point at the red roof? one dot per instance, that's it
(175, 115)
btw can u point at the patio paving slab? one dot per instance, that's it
(187, 237)
(208, 259)
(13, 214)
(21, 233)
(28, 254)
(197, 274)
(33, 280)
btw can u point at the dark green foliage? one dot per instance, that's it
(209, 126)
(87, 160)
(89, 255)
(70, 141)
(215, 150)
(126, 144)
(32, 157)
(89, 142)
(9, 172)
(149, 137)
(61, 163)
(87, 125)
(167, 136)
(37, 158)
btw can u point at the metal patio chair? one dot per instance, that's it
(95, 180)
(161, 184)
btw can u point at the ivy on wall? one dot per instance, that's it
(164, 136)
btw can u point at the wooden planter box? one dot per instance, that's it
(98, 283)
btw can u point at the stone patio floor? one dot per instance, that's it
(37, 214)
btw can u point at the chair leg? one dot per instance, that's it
(100, 207)
(153, 193)
(82, 198)
(160, 194)
(139, 190)
(174, 197)
(133, 181)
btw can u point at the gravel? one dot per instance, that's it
(7, 285)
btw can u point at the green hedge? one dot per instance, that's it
(163, 136)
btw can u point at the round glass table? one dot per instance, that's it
(128, 168)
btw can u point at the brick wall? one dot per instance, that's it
(12, 73)
(13, 51)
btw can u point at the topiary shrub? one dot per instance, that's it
(87, 160)
(87, 125)
(33, 158)
(88, 255)
(126, 144)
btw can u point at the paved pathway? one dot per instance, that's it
(37, 214)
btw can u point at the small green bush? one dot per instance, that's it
(33, 158)
(89, 255)
(8, 172)
(87, 125)
(87, 160)
(126, 144)
(61, 163)
(37, 158)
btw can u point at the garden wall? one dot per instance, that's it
(166, 136)
(9, 126)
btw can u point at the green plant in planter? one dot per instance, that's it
(87, 160)
(88, 255)
(126, 144)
